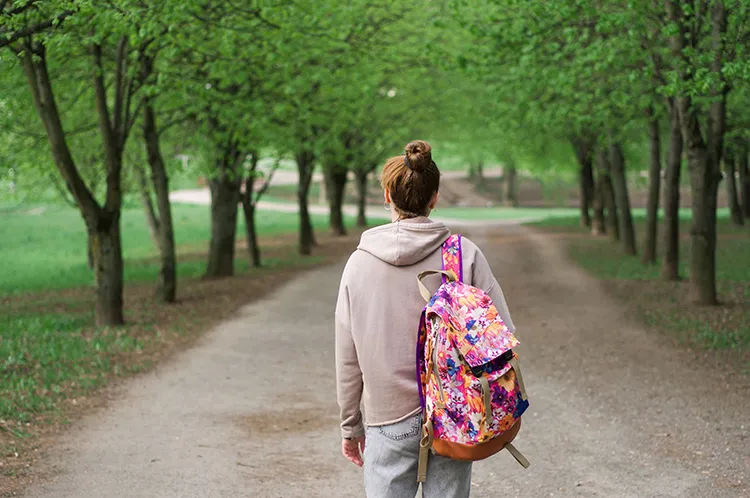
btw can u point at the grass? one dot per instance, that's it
(664, 306)
(50, 349)
(42, 356)
(597, 256)
(502, 213)
(47, 245)
(288, 193)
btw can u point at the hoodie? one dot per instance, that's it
(377, 316)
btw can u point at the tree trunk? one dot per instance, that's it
(90, 252)
(107, 252)
(305, 167)
(152, 220)
(622, 199)
(670, 265)
(336, 178)
(323, 195)
(654, 185)
(582, 148)
(476, 172)
(511, 187)
(704, 181)
(608, 193)
(248, 207)
(361, 176)
(160, 181)
(598, 224)
(742, 166)
(586, 186)
(734, 204)
(225, 197)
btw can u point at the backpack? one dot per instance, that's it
(470, 386)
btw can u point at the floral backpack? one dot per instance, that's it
(470, 386)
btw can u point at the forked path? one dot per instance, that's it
(251, 411)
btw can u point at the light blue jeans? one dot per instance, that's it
(391, 456)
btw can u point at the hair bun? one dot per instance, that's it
(417, 155)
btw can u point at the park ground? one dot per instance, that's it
(635, 392)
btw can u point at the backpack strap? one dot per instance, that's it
(452, 257)
(447, 276)
(517, 455)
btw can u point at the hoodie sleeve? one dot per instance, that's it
(482, 278)
(348, 373)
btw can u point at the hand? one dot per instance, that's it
(353, 449)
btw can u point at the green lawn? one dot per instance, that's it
(664, 306)
(502, 213)
(596, 254)
(44, 355)
(49, 347)
(47, 250)
(639, 214)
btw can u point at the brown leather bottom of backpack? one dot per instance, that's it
(459, 451)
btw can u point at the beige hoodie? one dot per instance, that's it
(377, 315)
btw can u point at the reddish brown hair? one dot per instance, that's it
(412, 179)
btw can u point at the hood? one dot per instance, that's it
(405, 242)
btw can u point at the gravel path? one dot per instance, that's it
(250, 411)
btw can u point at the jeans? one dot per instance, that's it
(391, 456)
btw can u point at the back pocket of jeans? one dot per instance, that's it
(401, 430)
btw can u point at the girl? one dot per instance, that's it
(377, 314)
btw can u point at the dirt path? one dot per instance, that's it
(251, 412)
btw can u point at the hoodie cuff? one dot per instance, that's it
(353, 432)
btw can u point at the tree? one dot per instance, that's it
(335, 174)
(597, 65)
(156, 183)
(221, 58)
(571, 74)
(37, 49)
(730, 169)
(744, 174)
(670, 267)
(622, 198)
(583, 148)
(703, 136)
(608, 193)
(161, 221)
(654, 185)
(250, 198)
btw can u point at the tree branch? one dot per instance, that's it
(100, 94)
(44, 101)
(65, 194)
(110, 137)
(8, 38)
(131, 120)
(717, 112)
(267, 182)
(120, 86)
(148, 204)
(701, 11)
(173, 122)
(18, 9)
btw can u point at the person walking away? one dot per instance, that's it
(377, 316)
